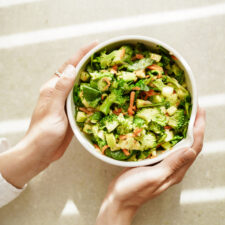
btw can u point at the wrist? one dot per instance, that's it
(21, 163)
(114, 210)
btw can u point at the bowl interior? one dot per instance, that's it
(152, 44)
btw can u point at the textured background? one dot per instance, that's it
(71, 190)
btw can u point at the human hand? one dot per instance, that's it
(49, 133)
(135, 186)
(49, 128)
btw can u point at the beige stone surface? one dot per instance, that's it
(70, 191)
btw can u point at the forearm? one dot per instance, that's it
(21, 163)
(112, 212)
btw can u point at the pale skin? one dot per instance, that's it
(133, 187)
(49, 135)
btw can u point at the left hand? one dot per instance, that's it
(49, 133)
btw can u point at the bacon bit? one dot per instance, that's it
(85, 110)
(126, 152)
(96, 146)
(167, 114)
(147, 76)
(155, 67)
(123, 137)
(91, 109)
(173, 57)
(153, 156)
(115, 67)
(174, 92)
(102, 97)
(117, 111)
(159, 69)
(108, 83)
(178, 103)
(104, 148)
(159, 76)
(139, 56)
(131, 107)
(137, 131)
(149, 93)
(158, 146)
(167, 127)
(136, 88)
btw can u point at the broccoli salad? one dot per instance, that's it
(132, 102)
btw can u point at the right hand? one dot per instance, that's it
(135, 186)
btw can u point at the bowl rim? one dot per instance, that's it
(187, 142)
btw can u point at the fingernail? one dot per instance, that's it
(69, 71)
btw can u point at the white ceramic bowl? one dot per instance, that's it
(152, 43)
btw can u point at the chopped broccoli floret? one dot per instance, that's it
(152, 114)
(179, 73)
(177, 120)
(176, 139)
(169, 135)
(129, 143)
(148, 141)
(156, 128)
(142, 84)
(104, 83)
(94, 118)
(166, 145)
(126, 125)
(114, 97)
(87, 128)
(158, 99)
(127, 76)
(111, 141)
(158, 83)
(138, 122)
(110, 122)
(181, 91)
(141, 64)
(121, 85)
(171, 110)
(116, 57)
(96, 75)
(172, 99)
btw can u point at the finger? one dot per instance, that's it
(199, 130)
(174, 179)
(77, 57)
(176, 160)
(63, 84)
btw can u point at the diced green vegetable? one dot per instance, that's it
(81, 116)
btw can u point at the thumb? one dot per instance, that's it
(177, 160)
(65, 82)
